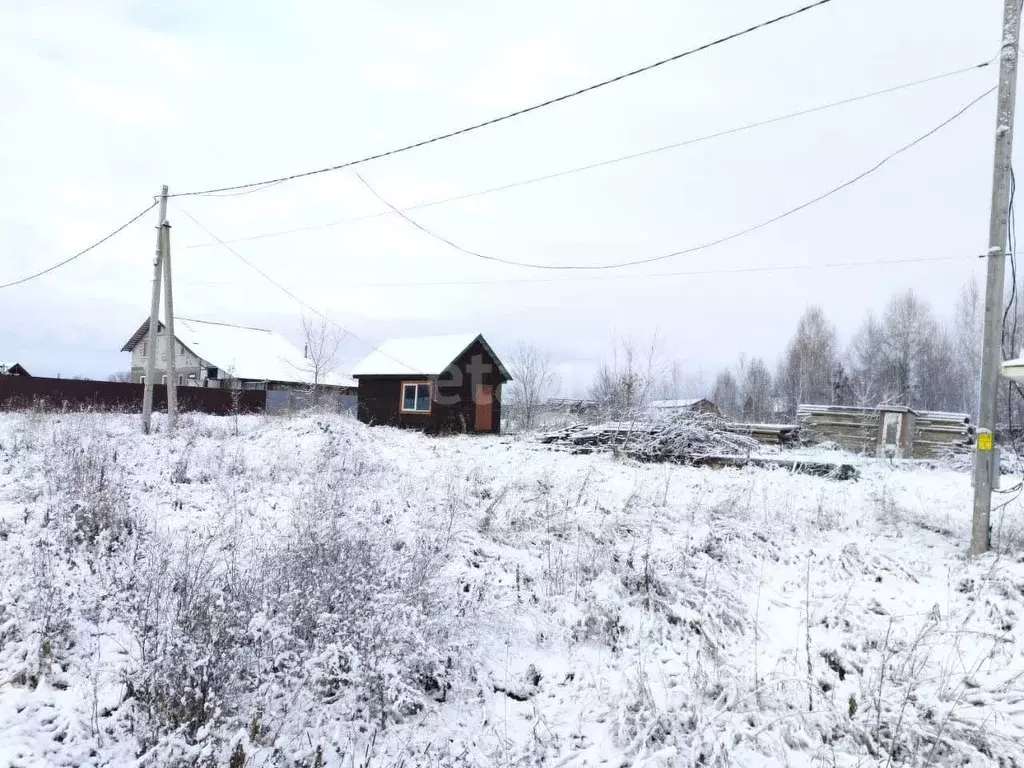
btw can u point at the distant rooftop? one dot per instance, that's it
(255, 354)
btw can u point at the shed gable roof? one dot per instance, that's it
(13, 368)
(421, 356)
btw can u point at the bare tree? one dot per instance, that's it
(726, 395)
(909, 357)
(756, 391)
(966, 338)
(624, 385)
(321, 341)
(811, 364)
(533, 381)
(120, 376)
(865, 360)
(676, 383)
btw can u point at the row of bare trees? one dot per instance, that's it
(907, 355)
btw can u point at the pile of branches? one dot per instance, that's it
(680, 438)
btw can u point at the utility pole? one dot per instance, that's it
(154, 317)
(984, 456)
(172, 376)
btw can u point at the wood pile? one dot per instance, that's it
(699, 440)
(678, 439)
(939, 434)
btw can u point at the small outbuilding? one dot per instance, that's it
(439, 384)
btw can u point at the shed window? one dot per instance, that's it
(416, 397)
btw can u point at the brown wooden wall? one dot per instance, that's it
(34, 392)
(379, 398)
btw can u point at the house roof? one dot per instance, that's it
(422, 356)
(684, 403)
(6, 367)
(245, 353)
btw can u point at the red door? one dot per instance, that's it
(484, 408)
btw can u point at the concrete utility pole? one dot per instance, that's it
(154, 317)
(172, 375)
(984, 461)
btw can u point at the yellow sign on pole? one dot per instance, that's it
(984, 441)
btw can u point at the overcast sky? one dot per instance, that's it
(102, 102)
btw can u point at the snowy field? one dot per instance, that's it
(311, 592)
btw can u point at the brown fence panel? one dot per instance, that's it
(34, 392)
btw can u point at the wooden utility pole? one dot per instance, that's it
(172, 374)
(985, 471)
(154, 318)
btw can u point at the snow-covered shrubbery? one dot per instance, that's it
(312, 592)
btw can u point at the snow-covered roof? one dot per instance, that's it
(677, 404)
(247, 353)
(10, 366)
(1014, 369)
(422, 356)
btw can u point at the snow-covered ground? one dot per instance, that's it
(312, 592)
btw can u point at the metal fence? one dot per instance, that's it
(19, 393)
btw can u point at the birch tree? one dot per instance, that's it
(533, 382)
(321, 342)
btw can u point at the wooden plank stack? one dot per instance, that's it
(938, 434)
(851, 427)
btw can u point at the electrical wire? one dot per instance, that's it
(687, 273)
(611, 161)
(696, 248)
(519, 112)
(81, 253)
(295, 298)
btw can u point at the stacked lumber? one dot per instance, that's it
(851, 427)
(940, 434)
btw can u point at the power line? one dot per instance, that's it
(611, 161)
(690, 273)
(692, 249)
(81, 253)
(517, 113)
(252, 266)
(295, 298)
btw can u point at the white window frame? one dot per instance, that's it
(142, 380)
(416, 399)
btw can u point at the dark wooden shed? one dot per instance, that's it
(439, 384)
